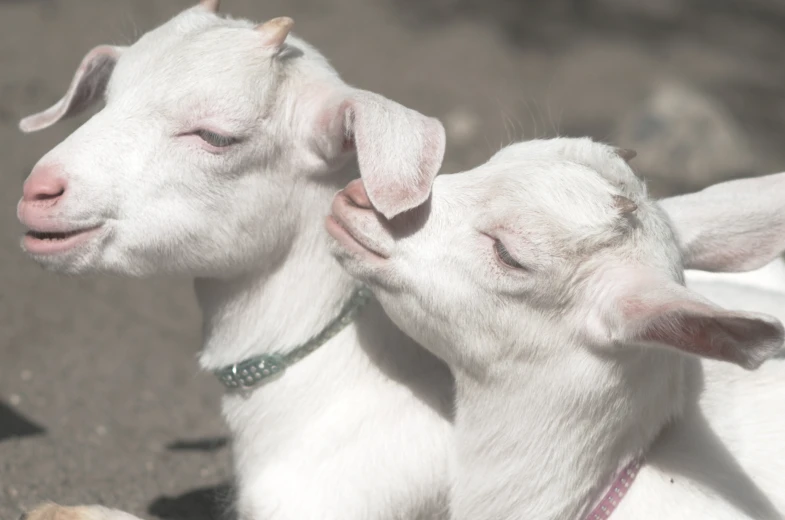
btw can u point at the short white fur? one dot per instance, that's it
(582, 360)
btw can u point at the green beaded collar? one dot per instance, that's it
(254, 371)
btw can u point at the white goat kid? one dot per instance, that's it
(553, 287)
(217, 155)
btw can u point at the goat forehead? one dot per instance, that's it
(543, 186)
(550, 202)
(205, 60)
(219, 58)
(599, 157)
(189, 23)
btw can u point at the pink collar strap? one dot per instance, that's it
(618, 489)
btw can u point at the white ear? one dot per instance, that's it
(732, 226)
(661, 312)
(399, 151)
(87, 86)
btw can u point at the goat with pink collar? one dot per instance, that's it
(590, 382)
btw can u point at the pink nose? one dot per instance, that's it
(45, 184)
(356, 193)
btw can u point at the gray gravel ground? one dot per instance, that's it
(100, 397)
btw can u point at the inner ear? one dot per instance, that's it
(87, 86)
(732, 226)
(744, 340)
(675, 317)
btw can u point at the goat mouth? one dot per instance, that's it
(343, 235)
(54, 242)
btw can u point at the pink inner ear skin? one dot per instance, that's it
(745, 341)
(689, 337)
(87, 86)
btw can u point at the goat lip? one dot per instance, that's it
(45, 243)
(348, 240)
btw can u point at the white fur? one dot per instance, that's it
(360, 429)
(570, 367)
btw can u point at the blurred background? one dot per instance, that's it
(100, 397)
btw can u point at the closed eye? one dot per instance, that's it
(504, 256)
(215, 139)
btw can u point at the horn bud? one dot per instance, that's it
(275, 31)
(626, 153)
(210, 5)
(624, 205)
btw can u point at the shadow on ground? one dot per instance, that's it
(209, 444)
(12, 424)
(207, 503)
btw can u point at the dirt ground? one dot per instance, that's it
(101, 400)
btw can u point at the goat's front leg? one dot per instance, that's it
(50, 511)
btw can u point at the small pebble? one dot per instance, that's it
(26, 375)
(14, 399)
(101, 430)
